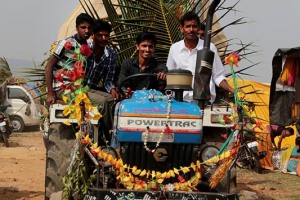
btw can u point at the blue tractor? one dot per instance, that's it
(154, 133)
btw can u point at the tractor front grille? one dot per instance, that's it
(170, 155)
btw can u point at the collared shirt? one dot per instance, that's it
(65, 58)
(131, 66)
(180, 57)
(101, 75)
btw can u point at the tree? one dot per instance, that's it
(5, 71)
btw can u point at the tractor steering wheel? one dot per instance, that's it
(150, 76)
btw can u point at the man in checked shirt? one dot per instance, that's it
(100, 73)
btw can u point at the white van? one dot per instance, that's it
(22, 105)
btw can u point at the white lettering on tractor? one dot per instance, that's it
(137, 122)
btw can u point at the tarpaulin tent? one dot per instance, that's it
(68, 27)
(259, 93)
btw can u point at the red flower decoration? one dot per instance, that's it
(233, 151)
(68, 45)
(224, 136)
(167, 130)
(85, 50)
(181, 179)
(59, 75)
(140, 182)
(78, 64)
(259, 125)
(63, 87)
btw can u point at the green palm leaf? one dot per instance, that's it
(130, 17)
(5, 71)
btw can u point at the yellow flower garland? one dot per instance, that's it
(131, 177)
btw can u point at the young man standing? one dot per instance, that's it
(57, 60)
(144, 62)
(201, 32)
(183, 54)
(100, 73)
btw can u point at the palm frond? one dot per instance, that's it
(162, 18)
(131, 17)
(5, 71)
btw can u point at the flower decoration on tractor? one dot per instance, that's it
(75, 92)
(131, 177)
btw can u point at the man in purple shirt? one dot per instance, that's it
(281, 131)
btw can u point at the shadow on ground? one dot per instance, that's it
(12, 193)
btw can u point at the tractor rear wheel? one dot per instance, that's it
(60, 143)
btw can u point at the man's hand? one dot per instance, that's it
(116, 95)
(51, 98)
(161, 76)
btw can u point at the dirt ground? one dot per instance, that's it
(22, 168)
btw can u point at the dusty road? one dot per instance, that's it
(22, 168)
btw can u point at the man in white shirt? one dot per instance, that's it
(183, 54)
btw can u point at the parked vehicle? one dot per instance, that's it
(21, 105)
(5, 127)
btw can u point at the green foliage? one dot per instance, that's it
(37, 76)
(77, 179)
(5, 71)
(131, 17)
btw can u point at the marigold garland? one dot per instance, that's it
(140, 179)
(131, 177)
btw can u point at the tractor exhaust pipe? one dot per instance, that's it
(204, 62)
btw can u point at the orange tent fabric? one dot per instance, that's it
(259, 93)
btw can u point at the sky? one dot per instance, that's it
(28, 28)
(273, 24)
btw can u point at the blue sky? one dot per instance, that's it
(29, 27)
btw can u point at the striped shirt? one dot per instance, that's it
(65, 58)
(100, 76)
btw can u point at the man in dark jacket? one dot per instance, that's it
(144, 63)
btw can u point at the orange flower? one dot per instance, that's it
(233, 59)
(86, 140)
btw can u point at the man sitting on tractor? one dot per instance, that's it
(144, 62)
(57, 60)
(100, 73)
